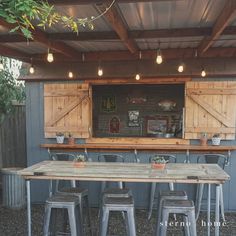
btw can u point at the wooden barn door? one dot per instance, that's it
(67, 108)
(210, 107)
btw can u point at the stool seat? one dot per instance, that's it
(173, 194)
(117, 192)
(63, 200)
(74, 190)
(118, 201)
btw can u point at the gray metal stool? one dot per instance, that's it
(169, 158)
(123, 204)
(168, 195)
(184, 207)
(81, 193)
(71, 203)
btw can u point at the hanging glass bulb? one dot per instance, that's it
(1, 65)
(70, 74)
(31, 69)
(100, 71)
(203, 73)
(50, 57)
(180, 68)
(159, 57)
(137, 76)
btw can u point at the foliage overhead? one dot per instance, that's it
(22, 14)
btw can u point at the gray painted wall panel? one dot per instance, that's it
(35, 137)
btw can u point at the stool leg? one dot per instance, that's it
(159, 209)
(46, 220)
(104, 222)
(222, 209)
(73, 221)
(186, 226)
(131, 221)
(192, 220)
(88, 214)
(125, 215)
(81, 211)
(103, 186)
(164, 222)
(151, 199)
(199, 199)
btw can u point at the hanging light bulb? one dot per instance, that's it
(31, 69)
(137, 76)
(203, 73)
(1, 65)
(70, 74)
(50, 57)
(181, 68)
(159, 57)
(100, 71)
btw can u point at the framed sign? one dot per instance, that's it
(155, 125)
(108, 103)
(133, 118)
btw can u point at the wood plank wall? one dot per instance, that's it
(13, 139)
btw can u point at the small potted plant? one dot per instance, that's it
(159, 162)
(71, 139)
(60, 137)
(79, 161)
(203, 139)
(216, 139)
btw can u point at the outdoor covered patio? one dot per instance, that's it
(140, 79)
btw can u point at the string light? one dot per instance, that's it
(159, 58)
(50, 56)
(100, 71)
(70, 74)
(203, 73)
(137, 76)
(31, 69)
(181, 68)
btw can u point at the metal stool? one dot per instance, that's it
(184, 207)
(168, 195)
(221, 160)
(117, 192)
(169, 158)
(63, 202)
(123, 204)
(81, 193)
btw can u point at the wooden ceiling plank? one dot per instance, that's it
(114, 18)
(225, 17)
(41, 37)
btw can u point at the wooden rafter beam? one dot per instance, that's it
(110, 35)
(185, 53)
(225, 17)
(114, 18)
(86, 2)
(41, 37)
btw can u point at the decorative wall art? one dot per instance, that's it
(136, 100)
(133, 118)
(156, 126)
(108, 103)
(114, 125)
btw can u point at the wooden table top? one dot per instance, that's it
(126, 172)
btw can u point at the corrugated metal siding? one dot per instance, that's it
(225, 41)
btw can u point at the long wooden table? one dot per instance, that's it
(129, 172)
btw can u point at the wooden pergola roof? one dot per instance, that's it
(184, 29)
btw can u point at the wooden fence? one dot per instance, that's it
(13, 139)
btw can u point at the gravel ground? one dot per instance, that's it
(14, 223)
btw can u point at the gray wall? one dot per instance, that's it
(35, 137)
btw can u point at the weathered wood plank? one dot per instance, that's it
(127, 172)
